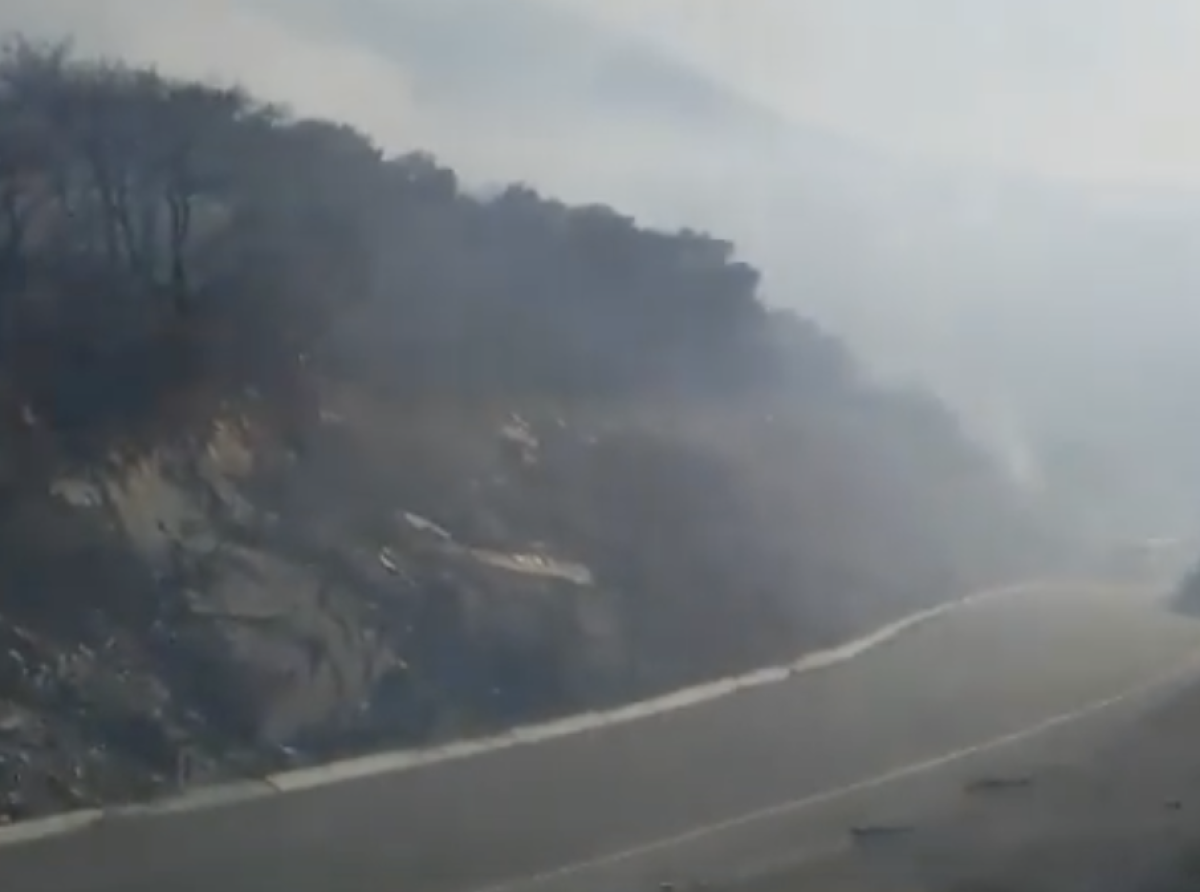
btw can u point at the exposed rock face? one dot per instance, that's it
(226, 606)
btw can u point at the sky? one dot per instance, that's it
(1101, 89)
(1106, 90)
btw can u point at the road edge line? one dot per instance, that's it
(395, 761)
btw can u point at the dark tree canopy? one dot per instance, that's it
(176, 234)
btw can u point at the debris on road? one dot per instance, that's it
(998, 784)
(869, 832)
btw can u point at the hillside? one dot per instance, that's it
(1048, 312)
(307, 449)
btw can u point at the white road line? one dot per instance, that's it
(231, 794)
(1182, 670)
(55, 825)
(685, 698)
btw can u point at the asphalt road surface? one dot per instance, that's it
(767, 773)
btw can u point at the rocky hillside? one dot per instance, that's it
(306, 449)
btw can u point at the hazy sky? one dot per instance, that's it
(1100, 88)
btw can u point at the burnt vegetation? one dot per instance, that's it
(177, 254)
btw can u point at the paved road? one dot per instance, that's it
(605, 797)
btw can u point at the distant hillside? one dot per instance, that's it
(534, 61)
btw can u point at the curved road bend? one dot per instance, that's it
(503, 819)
